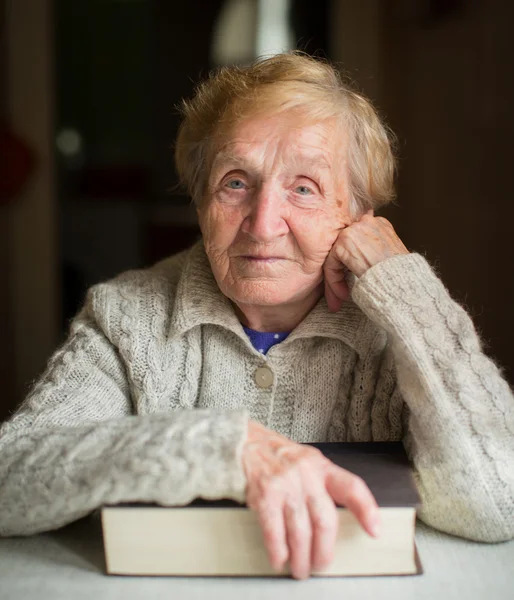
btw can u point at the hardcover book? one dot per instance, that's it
(223, 538)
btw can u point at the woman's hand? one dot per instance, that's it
(294, 488)
(358, 247)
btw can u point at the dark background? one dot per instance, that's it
(88, 89)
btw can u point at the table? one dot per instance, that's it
(69, 564)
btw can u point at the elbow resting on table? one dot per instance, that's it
(488, 525)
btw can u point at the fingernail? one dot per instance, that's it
(279, 565)
(322, 566)
(375, 526)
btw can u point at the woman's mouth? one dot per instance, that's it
(262, 259)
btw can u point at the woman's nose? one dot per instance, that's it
(265, 222)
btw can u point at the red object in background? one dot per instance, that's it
(17, 162)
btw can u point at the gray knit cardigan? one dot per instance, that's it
(149, 398)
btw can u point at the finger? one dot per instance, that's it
(336, 287)
(324, 523)
(299, 539)
(347, 489)
(271, 519)
(335, 299)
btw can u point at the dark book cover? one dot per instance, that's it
(384, 466)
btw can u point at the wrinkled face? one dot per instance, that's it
(275, 204)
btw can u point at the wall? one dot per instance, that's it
(30, 222)
(6, 380)
(445, 85)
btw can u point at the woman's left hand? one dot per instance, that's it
(358, 247)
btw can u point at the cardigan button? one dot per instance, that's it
(263, 377)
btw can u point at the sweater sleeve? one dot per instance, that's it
(460, 432)
(75, 445)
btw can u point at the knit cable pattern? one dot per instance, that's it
(462, 411)
(149, 398)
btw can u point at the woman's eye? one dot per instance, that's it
(235, 184)
(303, 190)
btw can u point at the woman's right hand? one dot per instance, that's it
(294, 489)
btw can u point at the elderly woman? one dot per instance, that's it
(299, 317)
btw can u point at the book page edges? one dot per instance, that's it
(144, 541)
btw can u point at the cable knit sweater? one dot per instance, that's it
(149, 398)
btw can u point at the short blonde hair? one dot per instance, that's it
(290, 81)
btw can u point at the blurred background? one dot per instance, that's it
(88, 90)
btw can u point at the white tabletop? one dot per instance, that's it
(69, 564)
